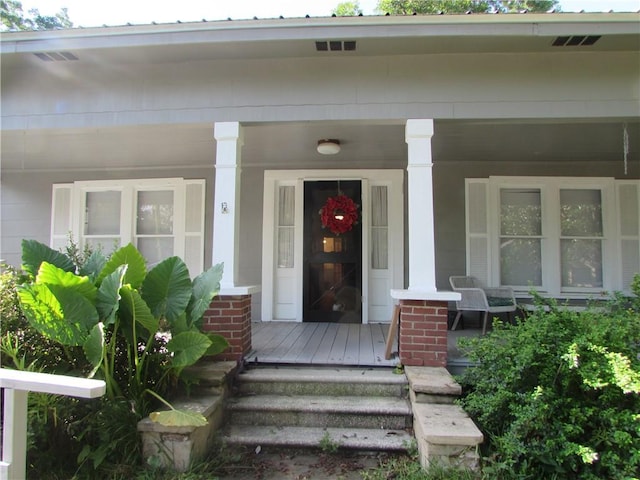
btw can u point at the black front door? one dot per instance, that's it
(332, 261)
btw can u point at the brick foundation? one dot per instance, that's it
(423, 333)
(230, 316)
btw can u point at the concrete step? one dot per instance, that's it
(334, 381)
(315, 437)
(321, 411)
(320, 407)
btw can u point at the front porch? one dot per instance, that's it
(336, 344)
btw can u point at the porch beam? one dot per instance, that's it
(226, 211)
(422, 266)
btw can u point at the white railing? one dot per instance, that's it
(16, 386)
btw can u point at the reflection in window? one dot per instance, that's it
(332, 244)
(154, 225)
(155, 249)
(102, 213)
(155, 213)
(102, 220)
(520, 237)
(581, 237)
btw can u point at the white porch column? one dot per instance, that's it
(226, 211)
(422, 266)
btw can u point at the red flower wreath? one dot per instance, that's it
(339, 214)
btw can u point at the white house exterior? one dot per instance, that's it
(503, 146)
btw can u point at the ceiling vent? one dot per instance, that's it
(576, 41)
(56, 56)
(336, 46)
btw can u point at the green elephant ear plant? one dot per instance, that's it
(138, 329)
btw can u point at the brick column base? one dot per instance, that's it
(423, 333)
(230, 316)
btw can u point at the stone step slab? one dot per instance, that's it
(445, 425)
(335, 381)
(310, 437)
(321, 411)
(432, 385)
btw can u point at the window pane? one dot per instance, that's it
(286, 220)
(379, 206)
(520, 212)
(581, 213)
(379, 249)
(286, 206)
(155, 213)
(102, 215)
(581, 263)
(379, 230)
(520, 262)
(105, 245)
(285, 247)
(154, 250)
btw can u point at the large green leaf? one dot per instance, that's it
(58, 313)
(93, 265)
(180, 325)
(127, 255)
(94, 347)
(167, 289)
(178, 418)
(76, 308)
(52, 275)
(134, 308)
(108, 297)
(188, 348)
(218, 344)
(205, 287)
(34, 253)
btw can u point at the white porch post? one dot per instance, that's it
(14, 435)
(226, 211)
(422, 273)
(423, 310)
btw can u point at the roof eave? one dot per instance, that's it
(328, 27)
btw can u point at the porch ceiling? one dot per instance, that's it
(292, 145)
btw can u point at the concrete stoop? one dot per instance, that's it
(364, 409)
(444, 432)
(310, 407)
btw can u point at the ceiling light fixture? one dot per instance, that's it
(328, 146)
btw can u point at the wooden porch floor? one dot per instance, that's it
(331, 344)
(320, 344)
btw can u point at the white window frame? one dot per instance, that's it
(73, 213)
(550, 243)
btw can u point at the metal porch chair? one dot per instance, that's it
(478, 298)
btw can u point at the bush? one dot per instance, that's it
(22, 346)
(558, 394)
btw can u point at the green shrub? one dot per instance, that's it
(558, 395)
(21, 345)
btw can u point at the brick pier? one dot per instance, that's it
(230, 316)
(423, 333)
